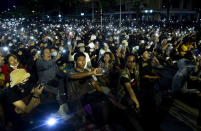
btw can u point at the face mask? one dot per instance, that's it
(82, 49)
(14, 66)
(194, 57)
(14, 41)
(54, 53)
(10, 44)
(91, 50)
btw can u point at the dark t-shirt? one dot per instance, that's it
(132, 81)
(145, 82)
(125, 100)
(9, 96)
(78, 87)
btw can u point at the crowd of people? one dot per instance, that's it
(98, 74)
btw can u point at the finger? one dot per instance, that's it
(41, 88)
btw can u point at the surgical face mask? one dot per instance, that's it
(194, 57)
(10, 44)
(54, 53)
(91, 50)
(125, 45)
(82, 49)
(14, 41)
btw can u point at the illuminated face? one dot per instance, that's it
(13, 61)
(107, 58)
(146, 55)
(80, 63)
(53, 50)
(131, 62)
(47, 54)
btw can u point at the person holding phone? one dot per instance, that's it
(13, 99)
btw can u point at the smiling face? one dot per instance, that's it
(13, 61)
(47, 54)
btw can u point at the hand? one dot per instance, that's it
(36, 56)
(194, 78)
(20, 53)
(58, 56)
(138, 107)
(38, 90)
(94, 56)
(98, 72)
(1, 58)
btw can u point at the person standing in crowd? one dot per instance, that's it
(128, 91)
(128, 84)
(53, 78)
(84, 94)
(108, 67)
(148, 78)
(81, 47)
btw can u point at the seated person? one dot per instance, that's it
(12, 98)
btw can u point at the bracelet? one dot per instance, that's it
(36, 97)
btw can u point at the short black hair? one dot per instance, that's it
(43, 49)
(128, 55)
(78, 55)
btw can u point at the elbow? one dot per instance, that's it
(22, 111)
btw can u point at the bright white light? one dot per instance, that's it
(31, 37)
(82, 14)
(5, 48)
(59, 15)
(48, 16)
(51, 121)
(22, 29)
(151, 11)
(146, 11)
(63, 51)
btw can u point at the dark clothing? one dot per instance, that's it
(53, 78)
(78, 87)
(85, 101)
(123, 94)
(7, 97)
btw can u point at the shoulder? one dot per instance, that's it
(12, 95)
(125, 73)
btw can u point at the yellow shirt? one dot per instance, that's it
(184, 49)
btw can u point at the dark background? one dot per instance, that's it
(72, 7)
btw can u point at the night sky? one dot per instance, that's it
(5, 4)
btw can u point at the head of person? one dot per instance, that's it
(107, 57)
(130, 61)
(106, 47)
(54, 52)
(46, 54)
(80, 60)
(145, 55)
(12, 60)
(81, 47)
